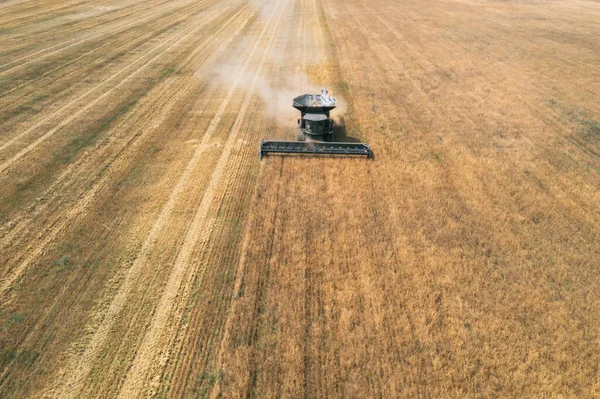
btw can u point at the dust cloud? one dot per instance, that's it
(277, 90)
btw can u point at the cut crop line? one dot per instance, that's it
(99, 85)
(206, 62)
(107, 29)
(99, 19)
(220, 325)
(48, 196)
(73, 42)
(17, 3)
(237, 285)
(36, 327)
(52, 47)
(62, 66)
(216, 390)
(45, 119)
(199, 231)
(51, 132)
(80, 364)
(129, 148)
(7, 282)
(91, 21)
(139, 40)
(14, 3)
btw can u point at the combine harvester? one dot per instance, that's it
(315, 131)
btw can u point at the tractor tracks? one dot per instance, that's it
(104, 319)
(239, 273)
(49, 196)
(179, 36)
(133, 39)
(123, 157)
(107, 40)
(14, 274)
(152, 356)
(56, 48)
(52, 194)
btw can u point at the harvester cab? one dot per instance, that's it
(316, 135)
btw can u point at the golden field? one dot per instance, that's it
(146, 251)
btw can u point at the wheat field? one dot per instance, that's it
(146, 251)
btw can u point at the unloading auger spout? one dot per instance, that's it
(316, 135)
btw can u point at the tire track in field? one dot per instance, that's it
(152, 355)
(75, 41)
(238, 280)
(50, 195)
(10, 141)
(88, 92)
(47, 195)
(141, 39)
(132, 45)
(4, 166)
(127, 146)
(81, 362)
(10, 279)
(94, 16)
(66, 43)
(41, 320)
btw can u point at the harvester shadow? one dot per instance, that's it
(341, 134)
